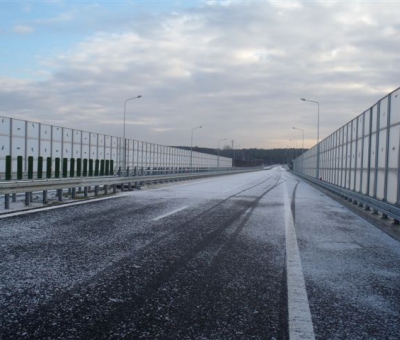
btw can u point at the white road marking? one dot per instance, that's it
(170, 213)
(232, 188)
(300, 322)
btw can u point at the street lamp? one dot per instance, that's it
(124, 164)
(313, 101)
(302, 146)
(218, 151)
(293, 153)
(302, 143)
(234, 159)
(191, 145)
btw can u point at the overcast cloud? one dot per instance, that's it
(238, 68)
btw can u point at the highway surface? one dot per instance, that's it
(260, 255)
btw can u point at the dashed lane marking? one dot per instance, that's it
(168, 214)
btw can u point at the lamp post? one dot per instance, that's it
(218, 151)
(234, 159)
(294, 153)
(302, 142)
(302, 146)
(313, 101)
(123, 139)
(191, 146)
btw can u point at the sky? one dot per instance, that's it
(236, 68)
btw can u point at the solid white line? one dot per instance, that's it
(170, 213)
(300, 322)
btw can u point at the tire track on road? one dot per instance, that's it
(164, 276)
(77, 304)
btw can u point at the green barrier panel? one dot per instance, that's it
(85, 167)
(107, 167)
(48, 167)
(90, 167)
(19, 167)
(111, 167)
(102, 167)
(8, 168)
(65, 167)
(79, 167)
(72, 167)
(40, 168)
(96, 169)
(57, 170)
(30, 167)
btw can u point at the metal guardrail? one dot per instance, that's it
(385, 208)
(13, 187)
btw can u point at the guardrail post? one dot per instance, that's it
(19, 167)
(44, 196)
(48, 167)
(79, 167)
(27, 198)
(7, 201)
(65, 167)
(135, 171)
(105, 189)
(14, 197)
(127, 172)
(96, 190)
(30, 167)
(96, 169)
(102, 167)
(40, 168)
(57, 169)
(85, 192)
(72, 167)
(107, 170)
(90, 167)
(73, 193)
(59, 194)
(119, 172)
(8, 167)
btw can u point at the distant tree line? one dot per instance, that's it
(252, 157)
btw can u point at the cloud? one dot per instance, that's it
(239, 69)
(23, 29)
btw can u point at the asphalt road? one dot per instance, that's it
(250, 256)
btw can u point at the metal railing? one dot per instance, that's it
(140, 177)
(369, 203)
